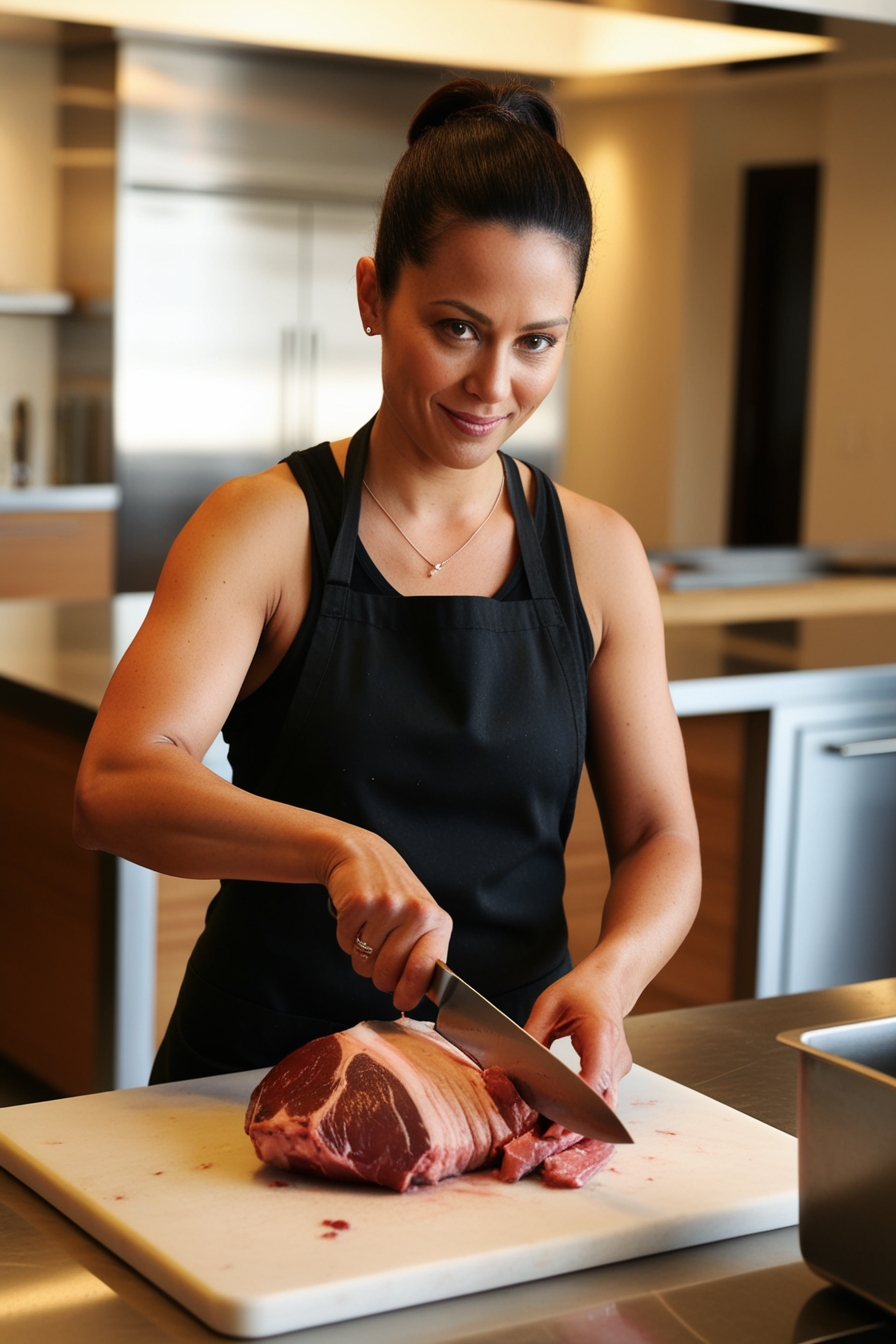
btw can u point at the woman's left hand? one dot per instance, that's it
(584, 1006)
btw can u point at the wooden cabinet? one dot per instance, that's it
(705, 967)
(56, 905)
(57, 554)
(58, 541)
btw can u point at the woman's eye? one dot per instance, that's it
(534, 343)
(461, 331)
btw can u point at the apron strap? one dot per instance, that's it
(333, 605)
(343, 559)
(305, 469)
(530, 547)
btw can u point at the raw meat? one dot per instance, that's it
(524, 1154)
(571, 1169)
(392, 1103)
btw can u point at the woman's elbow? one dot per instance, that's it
(91, 811)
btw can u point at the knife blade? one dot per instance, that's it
(488, 1036)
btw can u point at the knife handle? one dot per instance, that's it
(441, 978)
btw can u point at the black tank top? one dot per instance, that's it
(452, 726)
(253, 725)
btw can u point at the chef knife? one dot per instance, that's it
(488, 1036)
(492, 1039)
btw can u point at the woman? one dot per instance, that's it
(412, 643)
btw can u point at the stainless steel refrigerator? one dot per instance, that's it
(237, 339)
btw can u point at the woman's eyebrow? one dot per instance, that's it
(487, 321)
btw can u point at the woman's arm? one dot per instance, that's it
(638, 771)
(230, 599)
(142, 790)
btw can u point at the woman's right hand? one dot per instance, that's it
(381, 904)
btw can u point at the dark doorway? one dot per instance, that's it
(778, 268)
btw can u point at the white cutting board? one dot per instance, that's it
(166, 1178)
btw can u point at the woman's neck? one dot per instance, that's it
(416, 485)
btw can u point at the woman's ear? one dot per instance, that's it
(369, 304)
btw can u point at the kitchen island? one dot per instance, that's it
(57, 1283)
(80, 929)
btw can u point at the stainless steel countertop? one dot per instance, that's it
(56, 1283)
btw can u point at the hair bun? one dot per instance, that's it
(474, 98)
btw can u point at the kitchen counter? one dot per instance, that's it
(56, 1282)
(717, 668)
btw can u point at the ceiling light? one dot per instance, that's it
(537, 37)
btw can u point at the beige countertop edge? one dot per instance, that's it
(838, 595)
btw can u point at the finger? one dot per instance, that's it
(351, 918)
(542, 1022)
(383, 945)
(368, 920)
(597, 1058)
(363, 955)
(397, 949)
(402, 943)
(418, 969)
(604, 1056)
(594, 1066)
(375, 918)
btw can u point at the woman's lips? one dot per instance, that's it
(475, 425)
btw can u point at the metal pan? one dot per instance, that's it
(846, 1120)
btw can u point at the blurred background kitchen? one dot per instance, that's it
(182, 203)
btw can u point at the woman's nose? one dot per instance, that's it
(489, 378)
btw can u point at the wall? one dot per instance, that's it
(652, 372)
(731, 132)
(626, 350)
(851, 491)
(28, 239)
(27, 175)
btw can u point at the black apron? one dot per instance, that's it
(453, 727)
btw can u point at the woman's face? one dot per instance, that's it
(472, 341)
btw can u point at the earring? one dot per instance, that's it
(369, 330)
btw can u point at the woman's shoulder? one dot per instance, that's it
(251, 529)
(611, 567)
(599, 534)
(269, 492)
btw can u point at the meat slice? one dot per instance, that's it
(571, 1169)
(524, 1154)
(392, 1103)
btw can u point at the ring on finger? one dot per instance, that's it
(363, 949)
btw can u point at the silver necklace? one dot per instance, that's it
(434, 566)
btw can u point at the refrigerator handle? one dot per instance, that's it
(879, 746)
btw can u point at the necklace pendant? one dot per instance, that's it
(435, 568)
